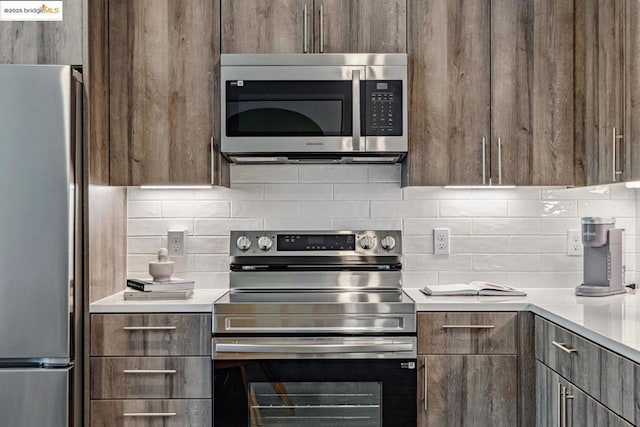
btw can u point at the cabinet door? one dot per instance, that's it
(361, 26)
(54, 42)
(600, 88)
(478, 390)
(450, 91)
(532, 92)
(161, 63)
(267, 26)
(631, 141)
(583, 411)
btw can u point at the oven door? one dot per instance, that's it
(316, 381)
(287, 109)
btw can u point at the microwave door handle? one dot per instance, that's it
(355, 77)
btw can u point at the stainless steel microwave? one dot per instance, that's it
(314, 108)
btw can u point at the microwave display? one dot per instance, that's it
(288, 108)
(383, 106)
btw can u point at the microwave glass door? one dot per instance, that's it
(281, 108)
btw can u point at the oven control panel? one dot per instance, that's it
(382, 108)
(318, 243)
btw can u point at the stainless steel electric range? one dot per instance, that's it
(315, 330)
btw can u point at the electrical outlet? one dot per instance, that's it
(441, 241)
(574, 243)
(177, 242)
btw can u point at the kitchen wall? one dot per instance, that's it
(516, 236)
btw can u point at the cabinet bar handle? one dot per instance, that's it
(567, 397)
(468, 326)
(149, 328)
(562, 346)
(149, 371)
(561, 405)
(499, 161)
(213, 163)
(614, 156)
(484, 160)
(149, 414)
(321, 28)
(305, 36)
(426, 386)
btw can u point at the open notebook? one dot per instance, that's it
(474, 288)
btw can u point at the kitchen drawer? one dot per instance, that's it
(150, 334)
(150, 377)
(467, 333)
(573, 357)
(143, 413)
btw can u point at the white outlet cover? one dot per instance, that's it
(441, 241)
(574, 243)
(177, 242)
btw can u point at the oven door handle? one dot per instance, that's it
(363, 347)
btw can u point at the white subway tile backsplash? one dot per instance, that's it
(614, 208)
(538, 244)
(515, 236)
(298, 192)
(384, 173)
(195, 209)
(367, 224)
(298, 224)
(543, 208)
(430, 262)
(333, 173)
(545, 279)
(143, 245)
(479, 244)
(473, 208)
(208, 245)
(310, 209)
(144, 209)
(506, 226)
(506, 262)
(248, 209)
(375, 191)
(424, 226)
(404, 209)
(222, 227)
(263, 173)
(157, 227)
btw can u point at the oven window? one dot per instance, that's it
(289, 108)
(318, 404)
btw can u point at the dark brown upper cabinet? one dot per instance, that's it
(600, 85)
(36, 42)
(308, 26)
(164, 92)
(491, 92)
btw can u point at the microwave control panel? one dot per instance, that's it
(382, 108)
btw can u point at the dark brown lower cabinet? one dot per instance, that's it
(146, 413)
(560, 403)
(467, 390)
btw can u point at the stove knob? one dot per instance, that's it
(367, 242)
(265, 243)
(243, 243)
(388, 243)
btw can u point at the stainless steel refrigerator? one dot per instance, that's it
(40, 244)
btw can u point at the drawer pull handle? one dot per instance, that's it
(563, 347)
(149, 328)
(468, 326)
(149, 414)
(149, 371)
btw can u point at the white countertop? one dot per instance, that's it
(201, 302)
(613, 322)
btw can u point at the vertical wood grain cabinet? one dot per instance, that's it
(580, 383)
(491, 95)
(467, 369)
(151, 369)
(164, 102)
(313, 26)
(53, 42)
(600, 85)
